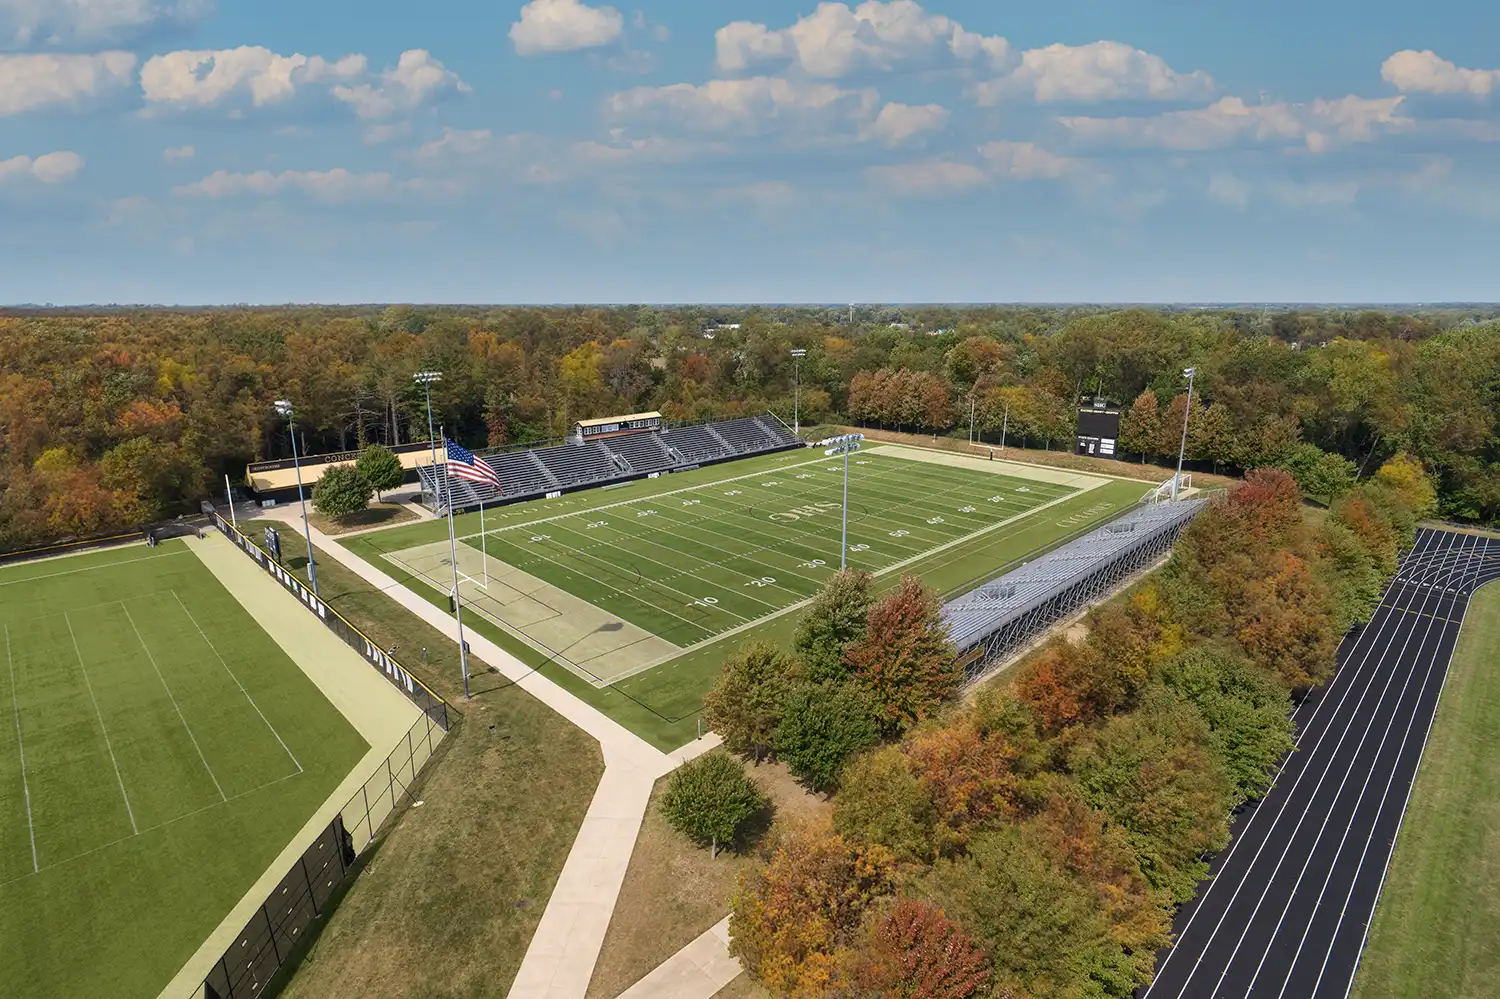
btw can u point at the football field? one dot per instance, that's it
(158, 751)
(613, 588)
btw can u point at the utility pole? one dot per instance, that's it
(844, 445)
(284, 408)
(797, 356)
(1186, 412)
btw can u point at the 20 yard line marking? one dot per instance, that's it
(107, 744)
(215, 649)
(21, 748)
(175, 707)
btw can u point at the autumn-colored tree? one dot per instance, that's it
(904, 659)
(881, 801)
(1140, 425)
(914, 951)
(746, 703)
(1061, 685)
(1280, 616)
(967, 775)
(1405, 476)
(837, 616)
(793, 921)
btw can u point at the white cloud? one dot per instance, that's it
(38, 81)
(564, 26)
(649, 150)
(928, 177)
(835, 41)
(327, 185)
(1099, 71)
(1426, 72)
(897, 123)
(207, 78)
(456, 142)
(745, 104)
(377, 134)
(178, 153)
(28, 23)
(1229, 190)
(417, 79)
(51, 168)
(1319, 125)
(1026, 161)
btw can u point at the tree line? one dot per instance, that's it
(112, 418)
(1035, 839)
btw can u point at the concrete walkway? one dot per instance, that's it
(698, 971)
(560, 960)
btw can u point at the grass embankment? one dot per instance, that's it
(449, 901)
(372, 516)
(673, 891)
(1436, 931)
(662, 705)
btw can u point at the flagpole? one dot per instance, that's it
(463, 647)
(484, 540)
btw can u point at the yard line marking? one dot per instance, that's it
(20, 747)
(91, 568)
(173, 699)
(236, 680)
(134, 829)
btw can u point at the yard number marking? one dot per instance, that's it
(934, 520)
(704, 602)
(733, 492)
(646, 513)
(762, 581)
(691, 502)
(814, 564)
(899, 534)
(542, 537)
(596, 523)
(859, 548)
(966, 509)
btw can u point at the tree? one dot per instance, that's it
(837, 616)
(881, 801)
(1280, 614)
(821, 727)
(1140, 425)
(710, 799)
(1248, 714)
(904, 658)
(1405, 476)
(745, 705)
(380, 467)
(914, 951)
(969, 777)
(792, 922)
(1320, 474)
(342, 492)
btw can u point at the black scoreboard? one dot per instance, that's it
(1098, 429)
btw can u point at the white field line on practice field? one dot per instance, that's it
(173, 698)
(90, 568)
(1339, 793)
(215, 649)
(1327, 768)
(102, 728)
(20, 747)
(1244, 834)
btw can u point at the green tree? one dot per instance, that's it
(745, 705)
(837, 616)
(880, 800)
(380, 467)
(341, 492)
(710, 799)
(1320, 474)
(822, 726)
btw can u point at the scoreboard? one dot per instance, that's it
(1098, 429)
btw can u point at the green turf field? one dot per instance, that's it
(1436, 930)
(662, 703)
(158, 751)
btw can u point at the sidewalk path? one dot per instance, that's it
(698, 971)
(560, 960)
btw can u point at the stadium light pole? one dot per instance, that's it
(425, 379)
(1182, 450)
(284, 408)
(844, 445)
(797, 356)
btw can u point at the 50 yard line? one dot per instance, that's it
(21, 748)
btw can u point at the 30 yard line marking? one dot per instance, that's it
(100, 715)
(175, 706)
(215, 649)
(20, 747)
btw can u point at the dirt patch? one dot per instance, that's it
(375, 515)
(673, 892)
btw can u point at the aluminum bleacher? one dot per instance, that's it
(527, 473)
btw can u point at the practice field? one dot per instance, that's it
(622, 586)
(158, 751)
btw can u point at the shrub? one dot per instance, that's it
(710, 799)
(914, 950)
(342, 492)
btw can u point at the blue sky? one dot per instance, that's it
(221, 151)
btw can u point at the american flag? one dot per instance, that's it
(463, 465)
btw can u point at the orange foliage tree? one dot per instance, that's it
(904, 658)
(914, 951)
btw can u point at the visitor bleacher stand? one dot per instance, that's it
(527, 473)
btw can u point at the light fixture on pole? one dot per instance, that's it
(1186, 412)
(284, 408)
(845, 445)
(797, 356)
(425, 379)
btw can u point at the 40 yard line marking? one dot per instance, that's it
(21, 748)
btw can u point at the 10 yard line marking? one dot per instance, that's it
(236, 680)
(107, 744)
(173, 699)
(21, 748)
